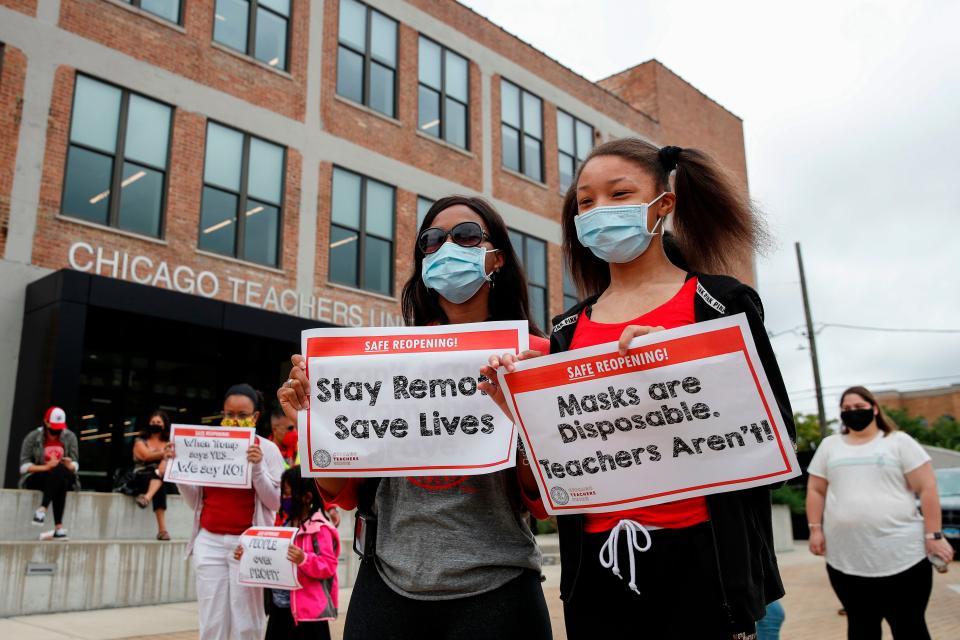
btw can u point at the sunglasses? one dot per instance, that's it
(465, 234)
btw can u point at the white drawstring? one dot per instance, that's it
(610, 549)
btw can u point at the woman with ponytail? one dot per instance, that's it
(709, 569)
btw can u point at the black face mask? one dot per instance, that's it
(155, 428)
(857, 419)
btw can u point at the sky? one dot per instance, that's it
(851, 116)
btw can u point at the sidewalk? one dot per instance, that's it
(810, 604)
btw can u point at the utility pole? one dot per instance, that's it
(821, 414)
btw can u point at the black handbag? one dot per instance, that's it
(124, 481)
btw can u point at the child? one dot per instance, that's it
(304, 613)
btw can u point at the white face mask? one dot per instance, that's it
(617, 234)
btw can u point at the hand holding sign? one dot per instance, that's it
(267, 557)
(209, 456)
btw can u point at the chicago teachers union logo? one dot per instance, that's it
(559, 495)
(321, 458)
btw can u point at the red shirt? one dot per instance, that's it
(52, 449)
(227, 511)
(675, 312)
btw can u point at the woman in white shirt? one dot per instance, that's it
(862, 510)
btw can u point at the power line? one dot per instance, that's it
(809, 392)
(797, 330)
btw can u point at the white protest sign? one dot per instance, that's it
(687, 412)
(404, 401)
(210, 456)
(264, 561)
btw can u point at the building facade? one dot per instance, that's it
(185, 184)
(929, 404)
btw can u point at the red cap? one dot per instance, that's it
(56, 418)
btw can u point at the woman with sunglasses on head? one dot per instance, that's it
(229, 611)
(709, 569)
(454, 555)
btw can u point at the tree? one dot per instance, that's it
(944, 432)
(808, 431)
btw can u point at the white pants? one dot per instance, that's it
(228, 611)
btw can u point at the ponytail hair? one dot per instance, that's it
(715, 225)
(884, 422)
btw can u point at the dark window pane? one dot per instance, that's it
(261, 232)
(456, 77)
(383, 39)
(509, 103)
(536, 261)
(569, 288)
(376, 265)
(565, 132)
(343, 256)
(532, 116)
(569, 301)
(280, 6)
(538, 304)
(148, 131)
(218, 217)
(141, 200)
(86, 194)
(379, 209)
(531, 157)
(584, 140)
(169, 9)
(423, 206)
(353, 24)
(429, 63)
(346, 198)
(516, 239)
(381, 89)
(271, 39)
(510, 147)
(566, 170)
(350, 75)
(96, 114)
(428, 107)
(455, 127)
(230, 23)
(265, 177)
(224, 156)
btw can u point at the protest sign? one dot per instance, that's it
(264, 561)
(687, 412)
(210, 456)
(404, 401)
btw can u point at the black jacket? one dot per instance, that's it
(741, 519)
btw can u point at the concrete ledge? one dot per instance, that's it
(93, 575)
(782, 529)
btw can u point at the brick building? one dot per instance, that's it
(185, 184)
(929, 404)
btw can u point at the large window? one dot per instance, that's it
(166, 9)
(443, 99)
(574, 140)
(423, 205)
(521, 130)
(242, 196)
(533, 254)
(367, 57)
(361, 232)
(258, 28)
(570, 294)
(117, 160)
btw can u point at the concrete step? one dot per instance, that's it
(91, 516)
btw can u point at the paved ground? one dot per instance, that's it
(810, 604)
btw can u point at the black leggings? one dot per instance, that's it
(900, 598)
(515, 610)
(54, 484)
(280, 626)
(678, 581)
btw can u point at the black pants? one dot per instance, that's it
(678, 580)
(280, 626)
(901, 599)
(54, 484)
(515, 610)
(141, 483)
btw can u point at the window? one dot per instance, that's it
(367, 57)
(258, 28)
(361, 232)
(521, 130)
(570, 294)
(443, 98)
(166, 9)
(423, 205)
(117, 159)
(242, 196)
(533, 255)
(575, 140)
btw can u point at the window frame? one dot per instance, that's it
(367, 56)
(525, 237)
(239, 239)
(362, 234)
(178, 22)
(118, 158)
(444, 50)
(251, 43)
(522, 132)
(423, 198)
(576, 150)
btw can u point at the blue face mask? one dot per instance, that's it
(456, 272)
(286, 504)
(616, 234)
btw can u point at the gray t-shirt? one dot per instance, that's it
(445, 537)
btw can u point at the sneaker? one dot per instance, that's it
(56, 534)
(39, 516)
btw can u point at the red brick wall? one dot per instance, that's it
(930, 404)
(54, 234)
(28, 7)
(12, 76)
(190, 52)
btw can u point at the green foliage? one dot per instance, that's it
(808, 431)
(944, 432)
(793, 497)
